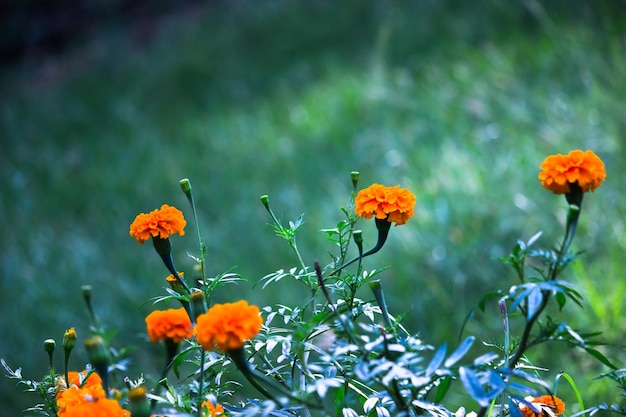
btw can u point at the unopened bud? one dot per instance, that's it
(185, 185)
(69, 339)
(49, 345)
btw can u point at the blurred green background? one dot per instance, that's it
(458, 101)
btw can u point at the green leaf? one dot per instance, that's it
(442, 388)
(599, 356)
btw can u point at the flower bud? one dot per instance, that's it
(265, 199)
(198, 304)
(69, 339)
(185, 185)
(49, 345)
(99, 357)
(354, 175)
(139, 404)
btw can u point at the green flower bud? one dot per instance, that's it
(49, 345)
(69, 339)
(185, 185)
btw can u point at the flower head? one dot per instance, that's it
(171, 324)
(80, 380)
(543, 403)
(392, 203)
(210, 410)
(559, 171)
(227, 326)
(160, 223)
(94, 407)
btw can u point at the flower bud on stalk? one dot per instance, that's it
(99, 357)
(69, 341)
(138, 402)
(49, 345)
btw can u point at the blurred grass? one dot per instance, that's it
(459, 102)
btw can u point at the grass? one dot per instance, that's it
(285, 99)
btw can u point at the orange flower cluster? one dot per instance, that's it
(171, 324)
(101, 407)
(227, 326)
(161, 223)
(86, 397)
(393, 203)
(559, 171)
(545, 402)
(210, 410)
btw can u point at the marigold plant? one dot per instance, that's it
(544, 403)
(162, 223)
(171, 324)
(227, 326)
(559, 171)
(392, 203)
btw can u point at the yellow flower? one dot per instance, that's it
(160, 223)
(543, 403)
(171, 324)
(559, 171)
(210, 410)
(392, 203)
(227, 326)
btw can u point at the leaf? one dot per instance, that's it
(436, 361)
(599, 356)
(473, 386)
(458, 354)
(442, 388)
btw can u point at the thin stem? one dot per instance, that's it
(200, 383)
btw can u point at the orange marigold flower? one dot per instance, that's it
(75, 396)
(559, 171)
(210, 410)
(393, 203)
(543, 403)
(99, 407)
(173, 324)
(161, 223)
(78, 379)
(227, 326)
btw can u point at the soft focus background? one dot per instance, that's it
(106, 105)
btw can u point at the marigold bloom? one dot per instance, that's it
(74, 396)
(100, 407)
(559, 171)
(551, 402)
(160, 223)
(171, 324)
(392, 203)
(78, 379)
(210, 410)
(227, 326)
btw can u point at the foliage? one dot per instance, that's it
(334, 353)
